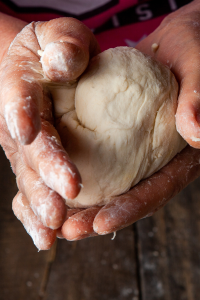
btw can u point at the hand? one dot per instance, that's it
(45, 174)
(179, 44)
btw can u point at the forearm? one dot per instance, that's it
(9, 28)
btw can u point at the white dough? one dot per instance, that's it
(123, 126)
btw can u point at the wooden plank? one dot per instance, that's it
(169, 248)
(22, 268)
(96, 268)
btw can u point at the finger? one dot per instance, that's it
(80, 225)
(48, 158)
(67, 45)
(70, 213)
(180, 52)
(7, 143)
(21, 93)
(150, 194)
(47, 205)
(42, 236)
(188, 111)
(21, 111)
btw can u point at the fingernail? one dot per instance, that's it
(11, 117)
(96, 229)
(84, 236)
(61, 178)
(11, 121)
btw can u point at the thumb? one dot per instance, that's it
(188, 110)
(67, 45)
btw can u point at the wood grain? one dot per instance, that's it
(96, 268)
(157, 258)
(21, 266)
(169, 247)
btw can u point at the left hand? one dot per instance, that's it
(44, 172)
(179, 44)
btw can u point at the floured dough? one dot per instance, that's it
(122, 127)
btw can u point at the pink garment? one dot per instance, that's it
(114, 22)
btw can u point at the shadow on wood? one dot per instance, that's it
(157, 258)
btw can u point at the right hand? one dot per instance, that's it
(45, 174)
(178, 40)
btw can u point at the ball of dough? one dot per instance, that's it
(122, 127)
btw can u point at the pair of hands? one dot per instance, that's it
(45, 174)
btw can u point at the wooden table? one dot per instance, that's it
(156, 258)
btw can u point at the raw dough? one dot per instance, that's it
(122, 128)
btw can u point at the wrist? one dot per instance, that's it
(9, 28)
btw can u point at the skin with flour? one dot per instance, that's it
(28, 134)
(178, 40)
